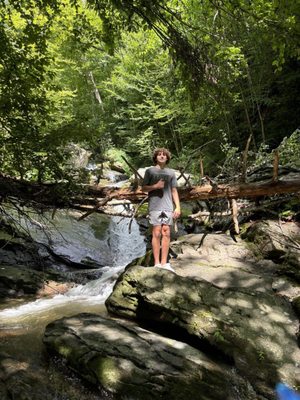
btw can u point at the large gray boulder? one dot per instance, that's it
(245, 322)
(130, 361)
(279, 242)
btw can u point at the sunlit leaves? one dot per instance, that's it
(40, 43)
(125, 71)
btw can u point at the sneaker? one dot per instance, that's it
(157, 265)
(168, 267)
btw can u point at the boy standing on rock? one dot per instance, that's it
(160, 182)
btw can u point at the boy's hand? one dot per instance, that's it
(160, 184)
(176, 213)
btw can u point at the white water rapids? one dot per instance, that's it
(87, 296)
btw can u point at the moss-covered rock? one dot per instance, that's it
(133, 362)
(247, 324)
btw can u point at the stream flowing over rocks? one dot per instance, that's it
(225, 326)
(66, 267)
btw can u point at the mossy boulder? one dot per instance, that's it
(136, 363)
(248, 324)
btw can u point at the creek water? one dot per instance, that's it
(103, 240)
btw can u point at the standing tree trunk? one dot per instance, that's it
(96, 90)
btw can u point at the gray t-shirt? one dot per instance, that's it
(160, 199)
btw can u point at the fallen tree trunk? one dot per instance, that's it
(207, 192)
(245, 190)
(62, 195)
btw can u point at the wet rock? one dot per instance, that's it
(51, 288)
(265, 173)
(31, 268)
(83, 276)
(131, 361)
(18, 250)
(114, 176)
(19, 381)
(274, 239)
(16, 281)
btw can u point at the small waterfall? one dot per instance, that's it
(98, 288)
(93, 293)
(98, 238)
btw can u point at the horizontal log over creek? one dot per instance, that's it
(51, 194)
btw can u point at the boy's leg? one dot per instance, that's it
(156, 236)
(165, 243)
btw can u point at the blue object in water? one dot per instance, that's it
(286, 393)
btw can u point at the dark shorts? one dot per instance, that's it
(161, 218)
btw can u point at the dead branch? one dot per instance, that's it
(234, 210)
(245, 158)
(275, 166)
(201, 169)
(187, 179)
(100, 204)
(135, 171)
(135, 212)
(239, 191)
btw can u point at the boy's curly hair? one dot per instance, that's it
(161, 150)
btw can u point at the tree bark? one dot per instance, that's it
(207, 192)
(249, 190)
(56, 195)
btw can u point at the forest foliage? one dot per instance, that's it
(125, 76)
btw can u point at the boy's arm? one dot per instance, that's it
(148, 188)
(175, 197)
(158, 185)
